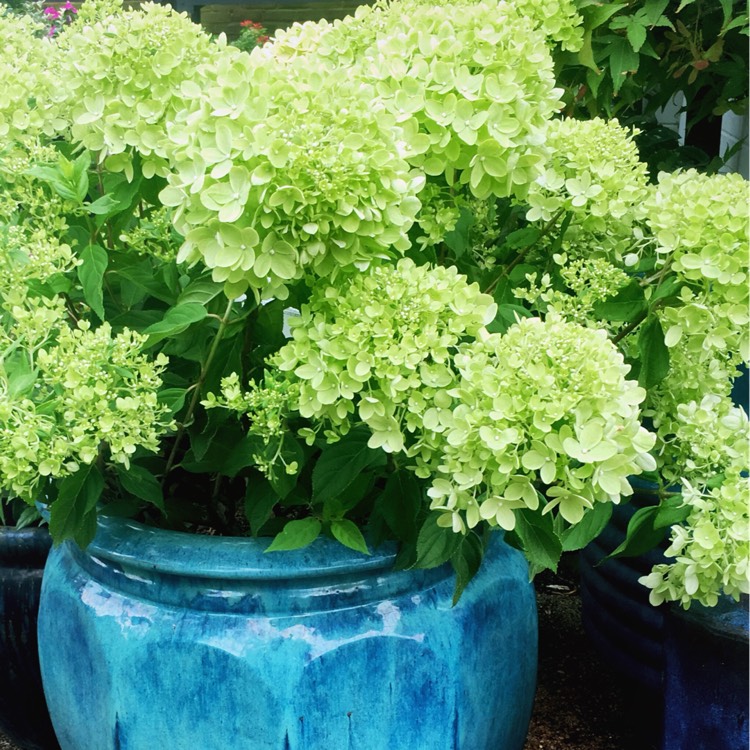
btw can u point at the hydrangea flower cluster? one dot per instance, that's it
(474, 78)
(385, 344)
(25, 107)
(711, 549)
(30, 249)
(93, 388)
(700, 224)
(557, 19)
(307, 173)
(588, 281)
(594, 173)
(548, 399)
(124, 81)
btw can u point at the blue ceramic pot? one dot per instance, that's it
(626, 629)
(706, 691)
(23, 712)
(204, 643)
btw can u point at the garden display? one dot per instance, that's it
(315, 355)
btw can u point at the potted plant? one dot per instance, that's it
(304, 300)
(24, 545)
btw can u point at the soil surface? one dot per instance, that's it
(581, 703)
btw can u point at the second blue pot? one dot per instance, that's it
(202, 642)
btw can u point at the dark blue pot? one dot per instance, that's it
(626, 629)
(153, 637)
(23, 712)
(706, 692)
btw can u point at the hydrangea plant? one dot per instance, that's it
(362, 282)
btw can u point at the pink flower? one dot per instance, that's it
(69, 7)
(51, 12)
(52, 31)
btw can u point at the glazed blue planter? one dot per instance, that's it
(23, 712)
(706, 691)
(205, 643)
(626, 629)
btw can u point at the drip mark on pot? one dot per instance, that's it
(287, 746)
(118, 742)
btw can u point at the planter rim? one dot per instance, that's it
(24, 547)
(134, 545)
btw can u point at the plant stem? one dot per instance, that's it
(197, 390)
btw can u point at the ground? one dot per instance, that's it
(581, 703)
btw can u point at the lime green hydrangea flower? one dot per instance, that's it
(593, 172)
(290, 169)
(710, 550)
(26, 61)
(546, 400)
(471, 82)
(381, 347)
(92, 389)
(126, 77)
(700, 224)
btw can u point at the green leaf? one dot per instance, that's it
(104, 206)
(435, 544)
(598, 14)
(671, 512)
(625, 306)
(172, 398)
(522, 238)
(457, 240)
(668, 288)
(636, 34)
(337, 507)
(466, 561)
(654, 353)
(71, 511)
(349, 535)
(80, 177)
(399, 503)
(200, 291)
(539, 542)
(642, 536)
(586, 53)
(176, 320)
(91, 275)
(291, 452)
(622, 60)
(141, 483)
(588, 528)
(340, 463)
(21, 377)
(295, 535)
(507, 316)
(260, 500)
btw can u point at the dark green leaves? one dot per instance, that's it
(349, 535)
(538, 540)
(466, 561)
(260, 499)
(176, 320)
(73, 512)
(642, 535)
(70, 180)
(588, 528)
(654, 353)
(627, 305)
(458, 239)
(340, 464)
(436, 544)
(91, 275)
(141, 483)
(399, 503)
(296, 534)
